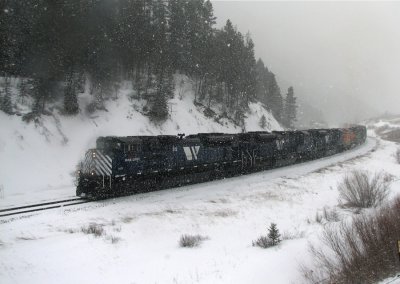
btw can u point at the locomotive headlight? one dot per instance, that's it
(94, 154)
(92, 173)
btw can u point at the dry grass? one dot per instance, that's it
(94, 229)
(329, 215)
(262, 242)
(397, 156)
(114, 239)
(26, 238)
(360, 189)
(293, 235)
(361, 251)
(189, 241)
(127, 219)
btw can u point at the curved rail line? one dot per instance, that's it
(48, 205)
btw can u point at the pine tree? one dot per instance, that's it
(273, 234)
(290, 109)
(178, 37)
(261, 89)
(23, 90)
(263, 122)
(159, 109)
(274, 97)
(5, 102)
(71, 105)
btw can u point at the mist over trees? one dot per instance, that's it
(56, 47)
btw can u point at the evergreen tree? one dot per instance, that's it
(23, 90)
(71, 105)
(159, 109)
(162, 65)
(274, 97)
(178, 36)
(273, 234)
(261, 85)
(263, 122)
(290, 109)
(5, 102)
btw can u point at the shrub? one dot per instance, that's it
(191, 240)
(397, 156)
(262, 242)
(273, 238)
(114, 239)
(361, 251)
(327, 214)
(359, 190)
(91, 108)
(94, 229)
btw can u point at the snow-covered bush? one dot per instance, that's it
(114, 239)
(361, 189)
(363, 250)
(262, 242)
(273, 238)
(330, 215)
(397, 156)
(1, 191)
(191, 240)
(94, 229)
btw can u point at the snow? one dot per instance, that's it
(141, 232)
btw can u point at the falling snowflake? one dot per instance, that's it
(229, 45)
(5, 10)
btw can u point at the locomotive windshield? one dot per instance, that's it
(108, 145)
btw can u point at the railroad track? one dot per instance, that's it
(41, 206)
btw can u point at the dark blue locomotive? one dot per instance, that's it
(133, 164)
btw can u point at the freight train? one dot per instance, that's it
(134, 164)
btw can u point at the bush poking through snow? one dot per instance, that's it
(93, 229)
(273, 238)
(359, 190)
(189, 241)
(114, 239)
(1, 191)
(361, 251)
(330, 215)
(397, 155)
(262, 242)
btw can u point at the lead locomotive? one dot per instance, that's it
(133, 164)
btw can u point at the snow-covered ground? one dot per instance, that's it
(141, 232)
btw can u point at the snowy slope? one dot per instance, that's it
(42, 157)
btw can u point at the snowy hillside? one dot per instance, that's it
(42, 156)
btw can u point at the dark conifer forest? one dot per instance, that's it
(54, 47)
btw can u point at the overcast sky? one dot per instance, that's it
(330, 52)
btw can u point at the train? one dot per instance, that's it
(135, 164)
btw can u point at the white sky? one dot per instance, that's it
(328, 51)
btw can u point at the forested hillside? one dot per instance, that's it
(55, 48)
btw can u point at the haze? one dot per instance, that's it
(342, 57)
